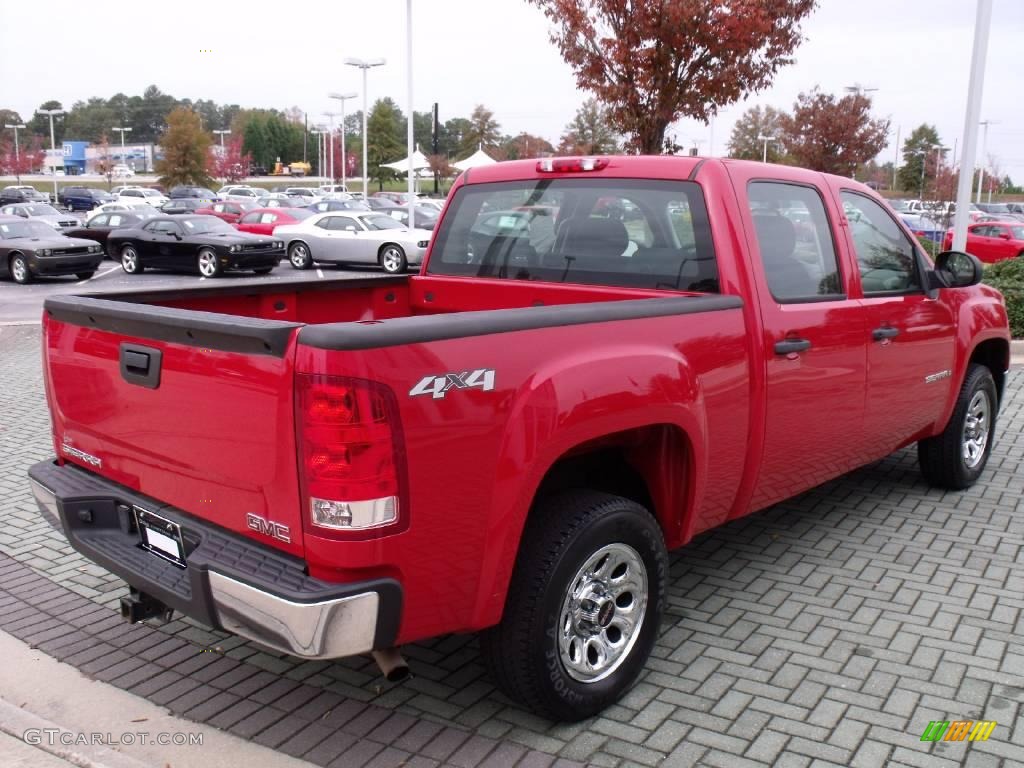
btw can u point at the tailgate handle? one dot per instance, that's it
(141, 365)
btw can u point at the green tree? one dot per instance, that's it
(590, 132)
(151, 114)
(452, 134)
(89, 120)
(40, 124)
(744, 142)
(384, 139)
(483, 131)
(915, 154)
(186, 150)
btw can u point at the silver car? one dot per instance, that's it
(41, 212)
(354, 237)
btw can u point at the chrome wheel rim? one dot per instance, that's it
(299, 254)
(977, 425)
(392, 259)
(18, 269)
(207, 263)
(602, 613)
(129, 260)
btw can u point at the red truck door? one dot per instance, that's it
(814, 332)
(911, 344)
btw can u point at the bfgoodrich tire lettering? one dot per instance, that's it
(956, 458)
(524, 653)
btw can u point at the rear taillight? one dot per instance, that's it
(571, 164)
(351, 457)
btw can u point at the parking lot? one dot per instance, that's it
(828, 630)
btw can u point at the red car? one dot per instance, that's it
(261, 221)
(510, 441)
(229, 210)
(992, 241)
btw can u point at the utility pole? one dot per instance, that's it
(53, 142)
(331, 115)
(17, 152)
(365, 65)
(435, 129)
(409, 122)
(982, 22)
(896, 158)
(341, 97)
(765, 140)
(984, 159)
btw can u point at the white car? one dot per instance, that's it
(354, 237)
(129, 205)
(438, 205)
(153, 197)
(122, 172)
(327, 189)
(307, 195)
(240, 192)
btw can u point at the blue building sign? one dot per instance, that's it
(74, 157)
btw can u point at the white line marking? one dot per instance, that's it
(320, 274)
(101, 274)
(201, 279)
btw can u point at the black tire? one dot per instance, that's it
(944, 458)
(263, 270)
(208, 263)
(131, 262)
(85, 275)
(523, 652)
(392, 259)
(299, 255)
(19, 269)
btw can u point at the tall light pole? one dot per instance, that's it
(122, 130)
(859, 89)
(222, 134)
(968, 157)
(17, 152)
(984, 148)
(896, 159)
(764, 151)
(319, 152)
(365, 64)
(341, 97)
(409, 141)
(331, 115)
(53, 142)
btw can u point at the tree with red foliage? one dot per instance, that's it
(651, 62)
(832, 135)
(24, 159)
(229, 162)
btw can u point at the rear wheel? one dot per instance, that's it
(130, 262)
(583, 606)
(957, 457)
(299, 256)
(19, 269)
(208, 263)
(392, 258)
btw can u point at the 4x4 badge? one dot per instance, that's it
(438, 386)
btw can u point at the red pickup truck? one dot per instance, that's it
(600, 359)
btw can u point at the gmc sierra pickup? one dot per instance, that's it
(600, 359)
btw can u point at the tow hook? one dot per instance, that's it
(392, 665)
(139, 606)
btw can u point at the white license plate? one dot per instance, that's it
(160, 536)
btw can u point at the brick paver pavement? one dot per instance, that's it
(828, 630)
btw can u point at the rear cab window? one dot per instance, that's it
(634, 233)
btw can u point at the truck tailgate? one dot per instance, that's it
(191, 408)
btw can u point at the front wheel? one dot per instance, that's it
(392, 258)
(19, 269)
(299, 256)
(208, 263)
(956, 458)
(130, 262)
(583, 606)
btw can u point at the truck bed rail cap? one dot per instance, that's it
(423, 328)
(229, 333)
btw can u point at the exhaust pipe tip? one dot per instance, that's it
(392, 665)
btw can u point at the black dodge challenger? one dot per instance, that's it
(30, 249)
(202, 244)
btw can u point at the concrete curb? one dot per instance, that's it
(15, 722)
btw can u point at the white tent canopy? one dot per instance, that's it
(475, 160)
(419, 162)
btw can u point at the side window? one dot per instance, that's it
(98, 221)
(250, 218)
(795, 240)
(115, 220)
(268, 218)
(886, 256)
(343, 223)
(325, 222)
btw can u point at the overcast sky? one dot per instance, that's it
(495, 52)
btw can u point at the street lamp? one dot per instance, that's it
(765, 140)
(984, 146)
(123, 131)
(939, 149)
(222, 134)
(17, 154)
(365, 64)
(859, 89)
(341, 97)
(331, 115)
(53, 142)
(319, 152)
